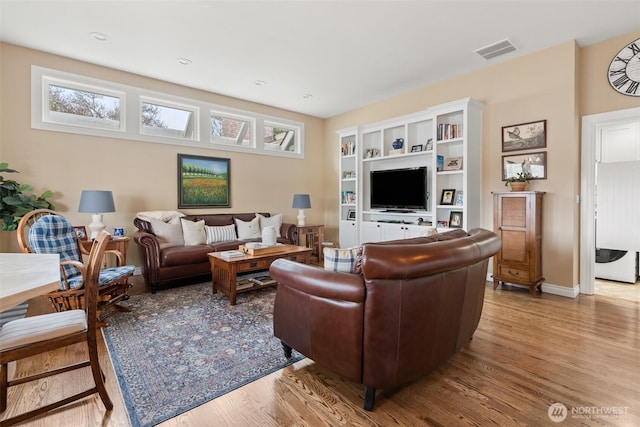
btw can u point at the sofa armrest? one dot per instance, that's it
(290, 232)
(320, 314)
(150, 254)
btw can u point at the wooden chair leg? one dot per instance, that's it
(98, 377)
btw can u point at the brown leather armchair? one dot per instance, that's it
(411, 305)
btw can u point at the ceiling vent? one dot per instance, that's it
(496, 49)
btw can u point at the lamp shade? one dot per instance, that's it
(301, 201)
(96, 201)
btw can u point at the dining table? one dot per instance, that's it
(25, 276)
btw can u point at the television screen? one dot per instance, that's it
(399, 188)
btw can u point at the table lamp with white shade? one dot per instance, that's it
(96, 202)
(301, 202)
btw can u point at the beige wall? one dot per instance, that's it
(141, 175)
(551, 84)
(560, 84)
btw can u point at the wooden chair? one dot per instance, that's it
(40, 334)
(45, 231)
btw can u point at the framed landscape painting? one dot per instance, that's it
(203, 182)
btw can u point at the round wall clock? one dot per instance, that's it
(624, 70)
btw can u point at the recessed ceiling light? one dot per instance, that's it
(184, 61)
(99, 36)
(260, 83)
(307, 96)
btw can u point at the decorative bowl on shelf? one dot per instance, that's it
(398, 143)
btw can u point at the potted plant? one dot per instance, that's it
(519, 181)
(15, 202)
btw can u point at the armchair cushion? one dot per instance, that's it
(54, 234)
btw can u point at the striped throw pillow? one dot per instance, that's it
(222, 233)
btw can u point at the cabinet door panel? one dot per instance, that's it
(514, 246)
(514, 212)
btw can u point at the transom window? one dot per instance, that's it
(83, 106)
(65, 102)
(230, 129)
(161, 119)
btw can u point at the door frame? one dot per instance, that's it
(590, 126)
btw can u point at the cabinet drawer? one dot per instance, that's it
(253, 265)
(506, 272)
(296, 258)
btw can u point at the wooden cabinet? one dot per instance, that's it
(517, 219)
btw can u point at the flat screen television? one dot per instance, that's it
(399, 189)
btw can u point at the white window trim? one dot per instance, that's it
(131, 107)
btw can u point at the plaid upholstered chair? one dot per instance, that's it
(49, 233)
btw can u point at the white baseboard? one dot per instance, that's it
(548, 288)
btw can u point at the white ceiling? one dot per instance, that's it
(346, 54)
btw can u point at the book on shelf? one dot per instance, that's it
(260, 278)
(449, 131)
(231, 254)
(440, 164)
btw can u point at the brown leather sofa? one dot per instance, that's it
(162, 266)
(409, 306)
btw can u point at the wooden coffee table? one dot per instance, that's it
(224, 272)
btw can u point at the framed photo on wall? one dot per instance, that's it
(534, 164)
(525, 136)
(203, 182)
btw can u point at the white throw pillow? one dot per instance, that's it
(168, 233)
(248, 230)
(274, 220)
(340, 259)
(193, 232)
(220, 233)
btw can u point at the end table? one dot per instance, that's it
(314, 236)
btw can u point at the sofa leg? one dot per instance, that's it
(287, 350)
(369, 398)
(154, 288)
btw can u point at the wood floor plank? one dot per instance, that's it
(527, 354)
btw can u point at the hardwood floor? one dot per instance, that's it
(527, 354)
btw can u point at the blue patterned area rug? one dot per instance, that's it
(183, 347)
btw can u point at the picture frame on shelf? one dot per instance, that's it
(203, 182)
(524, 136)
(440, 163)
(447, 196)
(416, 148)
(351, 215)
(372, 153)
(452, 163)
(455, 219)
(81, 232)
(429, 145)
(534, 164)
(459, 200)
(443, 224)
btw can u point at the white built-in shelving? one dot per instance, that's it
(451, 131)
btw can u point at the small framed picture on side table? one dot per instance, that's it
(81, 232)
